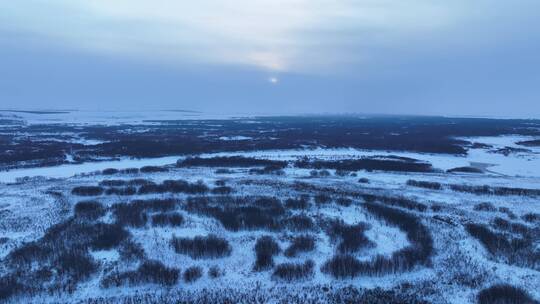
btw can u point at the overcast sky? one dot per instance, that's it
(458, 57)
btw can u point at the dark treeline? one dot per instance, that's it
(230, 161)
(500, 191)
(369, 164)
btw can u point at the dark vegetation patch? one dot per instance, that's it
(515, 227)
(419, 251)
(60, 260)
(110, 171)
(300, 244)
(344, 201)
(530, 143)
(87, 191)
(91, 210)
(396, 201)
(202, 247)
(363, 180)
(135, 213)
(299, 222)
(424, 184)
(320, 173)
(368, 164)
(174, 186)
(531, 217)
(265, 249)
(173, 219)
(322, 199)
(485, 206)
(508, 212)
(149, 272)
(301, 203)
(153, 169)
(504, 294)
(465, 170)
(231, 161)
(272, 170)
(294, 271)
(192, 274)
(350, 238)
(499, 191)
(222, 190)
(240, 213)
(518, 251)
(122, 191)
(215, 272)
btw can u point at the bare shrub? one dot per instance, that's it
(167, 219)
(351, 238)
(300, 244)
(192, 274)
(153, 272)
(293, 271)
(265, 248)
(424, 184)
(202, 247)
(87, 191)
(89, 210)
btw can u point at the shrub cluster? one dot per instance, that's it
(241, 213)
(419, 251)
(153, 272)
(499, 191)
(294, 271)
(87, 191)
(265, 248)
(174, 186)
(513, 250)
(424, 184)
(299, 222)
(301, 203)
(397, 201)
(485, 207)
(300, 244)
(167, 219)
(91, 210)
(202, 247)
(222, 190)
(122, 191)
(135, 213)
(153, 169)
(351, 238)
(504, 294)
(192, 274)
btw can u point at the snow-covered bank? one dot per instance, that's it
(68, 170)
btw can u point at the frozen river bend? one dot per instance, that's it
(296, 210)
